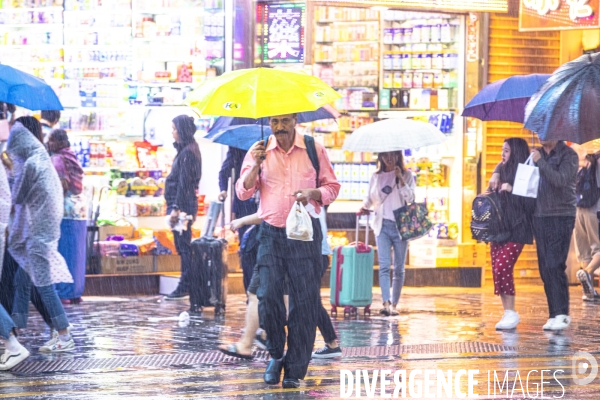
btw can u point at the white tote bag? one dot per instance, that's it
(527, 180)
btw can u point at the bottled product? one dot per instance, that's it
(407, 79)
(437, 61)
(388, 36)
(397, 80)
(417, 80)
(416, 33)
(427, 80)
(397, 60)
(426, 61)
(436, 32)
(407, 60)
(446, 32)
(387, 60)
(387, 79)
(398, 35)
(408, 33)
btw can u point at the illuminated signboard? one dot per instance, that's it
(282, 34)
(551, 15)
(431, 5)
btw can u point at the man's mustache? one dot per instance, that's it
(281, 132)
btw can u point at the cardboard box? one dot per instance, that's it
(427, 241)
(110, 230)
(127, 265)
(233, 262)
(168, 263)
(433, 251)
(473, 255)
(418, 261)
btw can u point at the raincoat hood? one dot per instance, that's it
(22, 144)
(185, 129)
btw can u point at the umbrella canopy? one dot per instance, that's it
(27, 91)
(261, 92)
(393, 135)
(505, 99)
(239, 136)
(326, 112)
(242, 133)
(567, 106)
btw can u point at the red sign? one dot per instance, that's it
(555, 15)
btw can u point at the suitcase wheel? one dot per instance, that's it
(333, 311)
(350, 311)
(367, 310)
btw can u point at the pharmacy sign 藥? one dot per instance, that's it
(553, 15)
(283, 32)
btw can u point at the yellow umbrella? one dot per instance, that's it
(261, 92)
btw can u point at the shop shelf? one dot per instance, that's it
(421, 70)
(410, 43)
(335, 61)
(31, 26)
(346, 22)
(29, 46)
(24, 9)
(98, 64)
(37, 63)
(162, 84)
(348, 41)
(96, 28)
(357, 87)
(171, 10)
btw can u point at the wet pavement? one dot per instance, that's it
(137, 348)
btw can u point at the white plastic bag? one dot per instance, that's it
(298, 224)
(527, 180)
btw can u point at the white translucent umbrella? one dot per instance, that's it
(392, 135)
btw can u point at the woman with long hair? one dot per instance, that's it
(391, 187)
(518, 213)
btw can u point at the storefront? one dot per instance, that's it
(398, 62)
(122, 69)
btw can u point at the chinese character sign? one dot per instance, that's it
(540, 15)
(283, 40)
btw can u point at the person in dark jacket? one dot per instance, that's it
(180, 194)
(517, 211)
(240, 208)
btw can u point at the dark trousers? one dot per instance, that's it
(183, 245)
(301, 261)
(7, 292)
(324, 322)
(247, 258)
(552, 239)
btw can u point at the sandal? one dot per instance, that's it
(393, 310)
(386, 309)
(231, 350)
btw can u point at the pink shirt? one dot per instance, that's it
(282, 175)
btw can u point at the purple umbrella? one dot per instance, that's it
(505, 99)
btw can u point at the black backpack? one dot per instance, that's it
(586, 185)
(487, 221)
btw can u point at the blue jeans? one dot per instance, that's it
(49, 298)
(388, 238)
(6, 324)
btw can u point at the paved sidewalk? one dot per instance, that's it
(136, 348)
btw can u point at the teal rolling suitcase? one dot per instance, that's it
(351, 278)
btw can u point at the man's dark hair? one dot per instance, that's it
(51, 116)
(33, 126)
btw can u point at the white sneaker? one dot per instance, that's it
(9, 359)
(55, 345)
(560, 322)
(548, 326)
(509, 321)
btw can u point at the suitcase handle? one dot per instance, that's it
(360, 246)
(338, 267)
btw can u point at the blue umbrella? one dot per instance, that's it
(505, 99)
(239, 136)
(27, 91)
(242, 133)
(567, 106)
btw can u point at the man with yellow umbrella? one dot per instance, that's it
(286, 169)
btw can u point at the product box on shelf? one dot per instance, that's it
(472, 254)
(127, 265)
(168, 263)
(111, 230)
